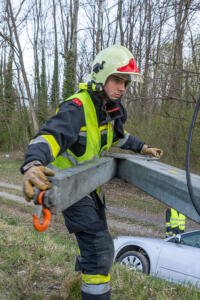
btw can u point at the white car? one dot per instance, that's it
(174, 259)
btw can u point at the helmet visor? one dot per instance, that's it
(123, 76)
(130, 77)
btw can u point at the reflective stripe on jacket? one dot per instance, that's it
(177, 220)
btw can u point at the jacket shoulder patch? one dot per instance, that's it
(77, 102)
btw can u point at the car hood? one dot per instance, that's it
(138, 239)
(148, 244)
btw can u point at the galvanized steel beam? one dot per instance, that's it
(164, 182)
(70, 185)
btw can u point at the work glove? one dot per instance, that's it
(156, 152)
(36, 177)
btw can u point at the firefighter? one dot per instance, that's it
(86, 125)
(175, 222)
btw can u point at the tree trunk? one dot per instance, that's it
(99, 26)
(21, 60)
(55, 81)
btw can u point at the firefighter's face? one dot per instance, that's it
(114, 87)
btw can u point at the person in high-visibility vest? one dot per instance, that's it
(87, 124)
(175, 222)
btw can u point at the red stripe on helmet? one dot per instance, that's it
(131, 67)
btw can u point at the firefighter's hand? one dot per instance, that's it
(36, 177)
(156, 152)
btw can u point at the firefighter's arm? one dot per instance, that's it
(55, 136)
(128, 142)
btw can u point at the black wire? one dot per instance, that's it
(188, 177)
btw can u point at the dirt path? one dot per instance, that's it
(141, 217)
(12, 196)
(10, 186)
(145, 226)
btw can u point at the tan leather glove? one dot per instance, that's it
(156, 152)
(36, 177)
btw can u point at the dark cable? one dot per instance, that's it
(188, 177)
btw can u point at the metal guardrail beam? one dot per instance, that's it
(70, 185)
(164, 182)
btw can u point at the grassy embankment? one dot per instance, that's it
(41, 265)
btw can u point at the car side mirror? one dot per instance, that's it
(178, 238)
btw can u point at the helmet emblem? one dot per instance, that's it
(97, 67)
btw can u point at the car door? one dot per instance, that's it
(180, 261)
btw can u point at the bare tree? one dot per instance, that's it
(181, 12)
(70, 49)
(99, 36)
(21, 60)
(55, 80)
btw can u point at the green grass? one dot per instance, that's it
(124, 195)
(11, 191)
(32, 264)
(41, 265)
(10, 171)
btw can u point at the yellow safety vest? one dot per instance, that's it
(177, 220)
(93, 133)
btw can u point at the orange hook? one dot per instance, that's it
(46, 216)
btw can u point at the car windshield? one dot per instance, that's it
(189, 239)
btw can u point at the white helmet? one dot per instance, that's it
(114, 60)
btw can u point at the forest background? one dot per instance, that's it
(47, 47)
